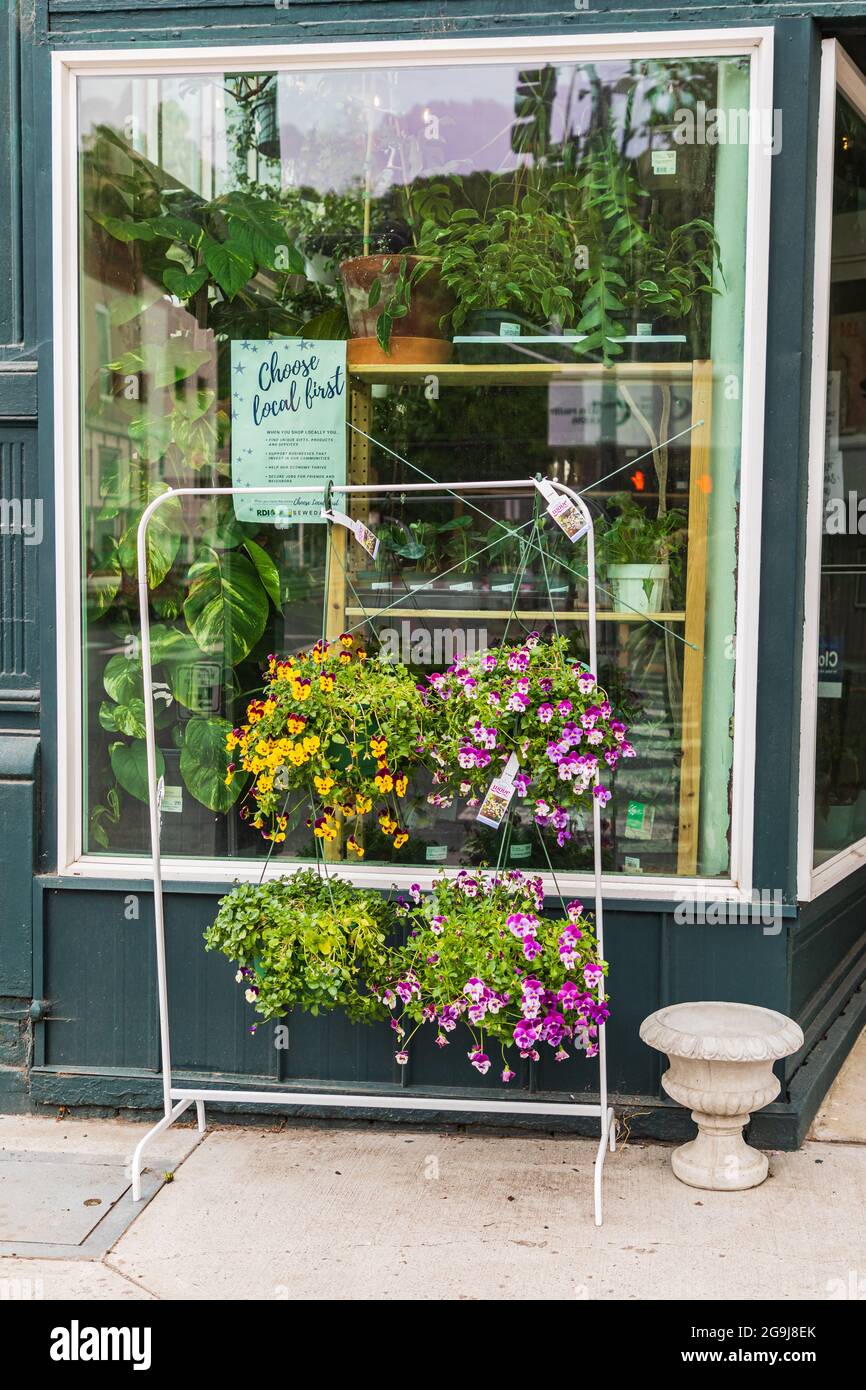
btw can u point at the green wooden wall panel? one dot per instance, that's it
(22, 524)
(100, 983)
(828, 954)
(18, 763)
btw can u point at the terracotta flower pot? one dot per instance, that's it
(429, 301)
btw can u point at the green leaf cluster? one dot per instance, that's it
(307, 942)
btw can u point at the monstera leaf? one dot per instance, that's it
(226, 608)
(267, 571)
(122, 679)
(203, 761)
(187, 672)
(162, 540)
(229, 262)
(129, 765)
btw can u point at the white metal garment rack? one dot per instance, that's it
(177, 1099)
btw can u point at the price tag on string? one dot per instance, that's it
(562, 510)
(498, 796)
(363, 535)
(568, 518)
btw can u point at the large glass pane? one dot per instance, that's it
(840, 785)
(536, 271)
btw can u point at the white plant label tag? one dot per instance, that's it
(498, 796)
(363, 535)
(172, 799)
(664, 161)
(568, 518)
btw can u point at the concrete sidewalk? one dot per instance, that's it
(362, 1212)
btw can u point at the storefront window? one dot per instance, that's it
(535, 270)
(840, 782)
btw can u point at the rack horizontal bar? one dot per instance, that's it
(535, 614)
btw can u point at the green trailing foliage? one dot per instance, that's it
(306, 941)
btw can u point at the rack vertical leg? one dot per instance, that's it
(608, 1138)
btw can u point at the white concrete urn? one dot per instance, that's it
(721, 1066)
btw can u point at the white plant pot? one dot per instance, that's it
(721, 1065)
(630, 589)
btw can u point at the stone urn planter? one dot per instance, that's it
(721, 1066)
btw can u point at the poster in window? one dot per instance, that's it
(288, 424)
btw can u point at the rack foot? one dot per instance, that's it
(200, 1116)
(140, 1147)
(608, 1138)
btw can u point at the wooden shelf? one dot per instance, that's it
(403, 610)
(468, 374)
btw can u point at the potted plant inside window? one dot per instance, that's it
(640, 553)
(508, 271)
(505, 555)
(639, 273)
(396, 302)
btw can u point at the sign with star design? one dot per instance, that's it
(288, 425)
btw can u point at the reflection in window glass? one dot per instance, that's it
(534, 275)
(840, 785)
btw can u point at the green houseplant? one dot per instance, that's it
(396, 303)
(639, 553)
(191, 274)
(635, 264)
(512, 262)
(306, 941)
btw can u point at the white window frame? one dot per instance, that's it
(838, 74)
(67, 66)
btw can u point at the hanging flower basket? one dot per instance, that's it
(482, 961)
(530, 700)
(336, 731)
(304, 942)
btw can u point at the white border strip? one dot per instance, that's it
(661, 43)
(756, 42)
(754, 375)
